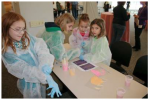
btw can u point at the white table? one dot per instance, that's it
(78, 83)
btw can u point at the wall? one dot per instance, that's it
(3, 9)
(80, 3)
(16, 7)
(92, 10)
(33, 11)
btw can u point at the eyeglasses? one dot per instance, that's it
(19, 31)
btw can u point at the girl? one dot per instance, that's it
(80, 34)
(26, 57)
(98, 47)
(54, 37)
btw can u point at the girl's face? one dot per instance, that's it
(83, 26)
(16, 30)
(95, 29)
(69, 26)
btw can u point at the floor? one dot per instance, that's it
(137, 54)
(9, 88)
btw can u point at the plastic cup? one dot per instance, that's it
(65, 67)
(120, 92)
(128, 80)
(72, 70)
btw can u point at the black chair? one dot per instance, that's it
(50, 24)
(121, 53)
(141, 69)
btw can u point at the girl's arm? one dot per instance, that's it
(101, 53)
(73, 39)
(43, 54)
(55, 43)
(23, 70)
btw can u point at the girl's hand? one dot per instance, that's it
(81, 57)
(52, 84)
(82, 44)
(46, 69)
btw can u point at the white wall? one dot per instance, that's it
(33, 11)
(3, 9)
(80, 3)
(91, 9)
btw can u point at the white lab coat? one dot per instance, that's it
(99, 51)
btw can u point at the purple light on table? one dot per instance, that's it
(87, 66)
(80, 62)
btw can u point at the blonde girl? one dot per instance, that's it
(54, 37)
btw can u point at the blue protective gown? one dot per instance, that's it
(27, 66)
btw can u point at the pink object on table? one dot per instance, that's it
(127, 83)
(65, 67)
(65, 64)
(108, 17)
(97, 73)
(120, 92)
(128, 80)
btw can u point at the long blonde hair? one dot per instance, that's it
(64, 19)
(7, 20)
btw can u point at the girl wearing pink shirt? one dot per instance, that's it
(80, 34)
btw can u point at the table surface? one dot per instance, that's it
(81, 87)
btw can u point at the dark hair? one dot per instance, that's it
(85, 18)
(121, 3)
(101, 24)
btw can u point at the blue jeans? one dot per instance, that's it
(118, 31)
(74, 11)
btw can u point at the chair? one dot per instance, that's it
(141, 69)
(121, 53)
(50, 24)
